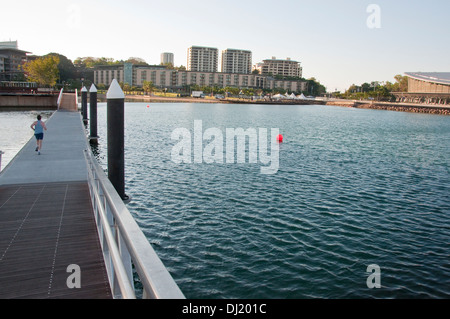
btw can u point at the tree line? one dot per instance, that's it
(381, 91)
(54, 70)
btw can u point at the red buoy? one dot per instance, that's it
(280, 138)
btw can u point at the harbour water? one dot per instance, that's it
(15, 132)
(354, 188)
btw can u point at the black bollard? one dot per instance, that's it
(116, 135)
(84, 104)
(93, 138)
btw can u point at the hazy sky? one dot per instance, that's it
(338, 42)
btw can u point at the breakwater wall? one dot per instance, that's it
(17, 102)
(399, 107)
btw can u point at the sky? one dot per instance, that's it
(340, 42)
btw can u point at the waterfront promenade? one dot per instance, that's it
(390, 106)
(47, 225)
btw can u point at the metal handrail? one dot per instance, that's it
(126, 245)
(60, 98)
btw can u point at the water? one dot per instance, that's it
(354, 188)
(15, 132)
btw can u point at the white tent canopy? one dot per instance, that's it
(278, 97)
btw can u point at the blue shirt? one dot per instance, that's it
(38, 128)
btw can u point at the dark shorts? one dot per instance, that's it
(39, 136)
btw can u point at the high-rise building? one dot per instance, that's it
(286, 67)
(203, 59)
(167, 57)
(236, 61)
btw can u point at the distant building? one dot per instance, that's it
(166, 58)
(236, 61)
(180, 80)
(284, 68)
(9, 45)
(426, 87)
(203, 59)
(257, 66)
(432, 82)
(2, 63)
(104, 74)
(11, 60)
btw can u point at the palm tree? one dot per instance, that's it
(148, 86)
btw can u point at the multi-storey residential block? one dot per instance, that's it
(236, 61)
(284, 68)
(202, 59)
(179, 80)
(104, 74)
(11, 60)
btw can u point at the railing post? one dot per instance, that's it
(93, 138)
(116, 136)
(125, 255)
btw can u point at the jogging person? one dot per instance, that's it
(38, 127)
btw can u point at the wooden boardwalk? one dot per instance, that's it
(46, 219)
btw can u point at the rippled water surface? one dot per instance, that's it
(354, 188)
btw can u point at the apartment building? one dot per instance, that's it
(203, 59)
(179, 80)
(11, 60)
(104, 74)
(236, 61)
(284, 68)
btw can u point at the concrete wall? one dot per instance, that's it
(35, 101)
